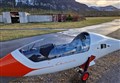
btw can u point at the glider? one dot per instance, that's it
(41, 57)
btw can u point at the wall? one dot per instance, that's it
(1, 18)
(26, 18)
(6, 17)
(23, 17)
(39, 18)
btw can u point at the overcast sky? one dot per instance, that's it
(101, 2)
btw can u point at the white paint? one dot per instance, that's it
(97, 40)
(39, 18)
(6, 17)
(1, 18)
(67, 62)
(23, 17)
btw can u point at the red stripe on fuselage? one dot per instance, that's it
(9, 66)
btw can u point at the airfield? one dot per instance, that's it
(106, 70)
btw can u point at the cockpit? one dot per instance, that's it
(37, 51)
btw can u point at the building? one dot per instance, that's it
(23, 17)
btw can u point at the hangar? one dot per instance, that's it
(23, 17)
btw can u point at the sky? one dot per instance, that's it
(115, 3)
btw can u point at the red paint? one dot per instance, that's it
(9, 66)
(92, 57)
(85, 76)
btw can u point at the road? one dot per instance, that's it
(66, 36)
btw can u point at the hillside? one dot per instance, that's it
(47, 4)
(57, 7)
(106, 8)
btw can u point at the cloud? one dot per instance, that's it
(99, 2)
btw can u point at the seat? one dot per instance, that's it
(35, 58)
(45, 49)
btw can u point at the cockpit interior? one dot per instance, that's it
(37, 53)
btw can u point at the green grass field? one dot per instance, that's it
(13, 34)
(87, 22)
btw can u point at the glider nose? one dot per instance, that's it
(10, 67)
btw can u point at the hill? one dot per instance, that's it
(57, 7)
(47, 4)
(105, 8)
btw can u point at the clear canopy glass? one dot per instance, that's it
(43, 50)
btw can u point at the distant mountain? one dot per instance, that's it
(117, 5)
(106, 8)
(59, 5)
(55, 4)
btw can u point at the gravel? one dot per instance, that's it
(106, 70)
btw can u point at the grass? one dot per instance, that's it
(14, 34)
(87, 22)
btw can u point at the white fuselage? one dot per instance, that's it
(71, 61)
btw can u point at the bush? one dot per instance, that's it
(69, 18)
